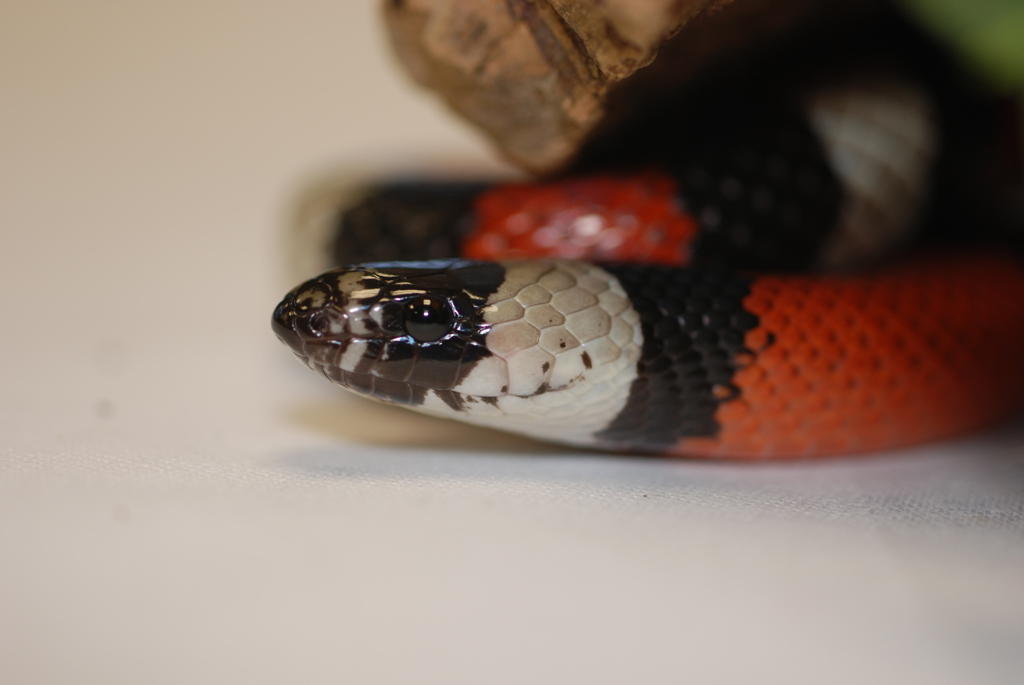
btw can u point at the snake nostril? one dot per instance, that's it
(315, 324)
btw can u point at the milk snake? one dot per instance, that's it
(774, 276)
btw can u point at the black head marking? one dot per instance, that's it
(392, 330)
(405, 220)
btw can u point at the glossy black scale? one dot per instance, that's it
(760, 186)
(430, 335)
(749, 167)
(405, 221)
(694, 325)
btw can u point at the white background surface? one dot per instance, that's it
(181, 502)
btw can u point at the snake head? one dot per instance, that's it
(392, 331)
(538, 347)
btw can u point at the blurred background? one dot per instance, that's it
(986, 33)
(180, 501)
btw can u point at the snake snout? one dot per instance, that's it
(310, 315)
(319, 319)
(283, 323)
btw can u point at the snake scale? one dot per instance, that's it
(754, 283)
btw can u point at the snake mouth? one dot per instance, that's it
(377, 366)
(319, 336)
(370, 384)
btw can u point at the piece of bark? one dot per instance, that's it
(536, 75)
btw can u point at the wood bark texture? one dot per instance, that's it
(535, 75)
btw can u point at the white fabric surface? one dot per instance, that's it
(181, 502)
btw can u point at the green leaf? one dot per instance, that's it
(989, 34)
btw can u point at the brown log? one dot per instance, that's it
(536, 75)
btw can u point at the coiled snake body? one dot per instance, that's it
(686, 331)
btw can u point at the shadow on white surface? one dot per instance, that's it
(975, 483)
(354, 419)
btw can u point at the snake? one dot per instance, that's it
(756, 289)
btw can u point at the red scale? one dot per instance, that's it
(634, 218)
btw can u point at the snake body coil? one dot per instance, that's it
(688, 329)
(702, 362)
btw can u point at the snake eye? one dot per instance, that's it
(428, 318)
